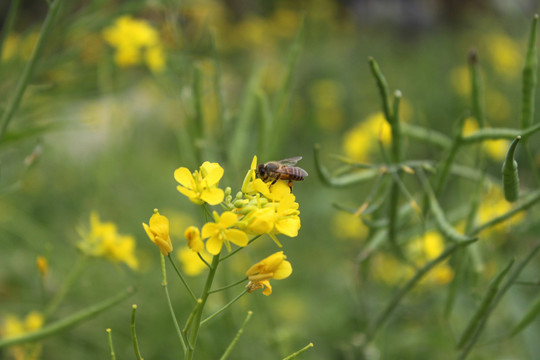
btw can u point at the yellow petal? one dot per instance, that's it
(213, 196)
(159, 224)
(148, 231)
(237, 237)
(185, 191)
(288, 226)
(228, 219)
(214, 175)
(268, 289)
(213, 245)
(283, 271)
(253, 163)
(209, 229)
(184, 177)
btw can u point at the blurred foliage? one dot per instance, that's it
(236, 78)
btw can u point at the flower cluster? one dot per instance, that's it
(103, 240)
(135, 41)
(259, 208)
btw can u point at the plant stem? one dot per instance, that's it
(224, 307)
(182, 278)
(134, 333)
(26, 74)
(169, 302)
(200, 308)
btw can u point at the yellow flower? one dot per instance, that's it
(103, 240)
(192, 265)
(505, 55)
(219, 233)
(201, 186)
(348, 226)
(134, 40)
(360, 140)
(247, 184)
(158, 232)
(13, 326)
(273, 267)
(193, 237)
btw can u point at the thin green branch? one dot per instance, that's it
(182, 278)
(228, 286)
(164, 284)
(111, 347)
(26, 74)
(238, 334)
(134, 333)
(67, 322)
(225, 307)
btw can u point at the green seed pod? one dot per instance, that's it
(510, 173)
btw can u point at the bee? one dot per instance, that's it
(281, 170)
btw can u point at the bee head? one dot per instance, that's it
(261, 171)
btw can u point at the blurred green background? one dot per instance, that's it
(108, 137)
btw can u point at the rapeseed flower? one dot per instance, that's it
(192, 265)
(361, 139)
(193, 236)
(220, 233)
(13, 326)
(202, 185)
(273, 267)
(135, 41)
(103, 240)
(158, 232)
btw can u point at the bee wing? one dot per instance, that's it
(290, 161)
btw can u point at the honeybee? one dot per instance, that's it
(281, 170)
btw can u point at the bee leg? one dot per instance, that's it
(290, 183)
(276, 179)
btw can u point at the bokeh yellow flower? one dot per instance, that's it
(359, 141)
(273, 267)
(192, 265)
(505, 55)
(135, 41)
(202, 185)
(103, 240)
(348, 226)
(220, 233)
(158, 232)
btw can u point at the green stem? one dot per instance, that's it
(68, 283)
(111, 347)
(477, 90)
(8, 23)
(228, 286)
(169, 302)
(182, 278)
(238, 334)
(224, 307)
(200, 308)
(26, 74)
(68, 322)
(134, 333)
(295, 355)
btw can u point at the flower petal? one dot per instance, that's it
(288, 226)
(228, 219)
(283, 271)
(209, 229)
(187, 192)
(213, 196)
(214, 245)
(214, 175)
(184, 177)
(237, 237)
